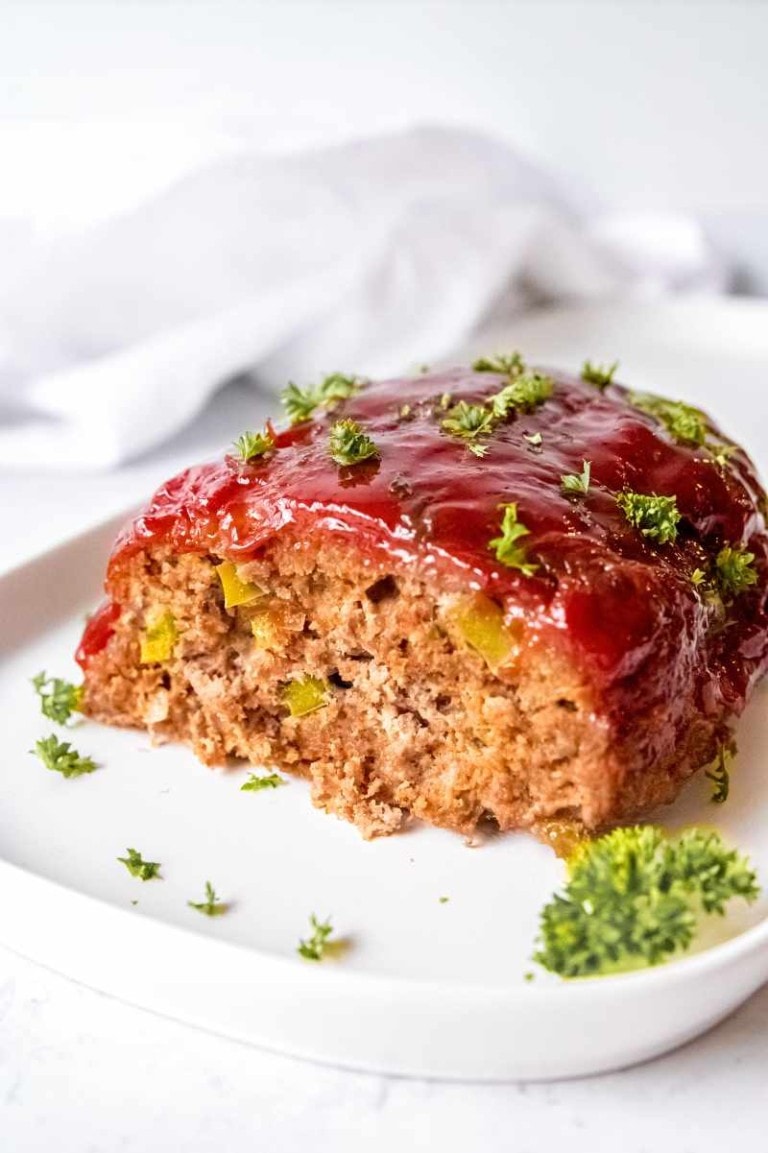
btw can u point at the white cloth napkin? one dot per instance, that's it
(369, 258)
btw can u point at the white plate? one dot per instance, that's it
(425, 988)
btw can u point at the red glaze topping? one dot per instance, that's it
(97, 631)
(625, 602)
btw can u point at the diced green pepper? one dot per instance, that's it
(480, 622)
(159, 639)
(306, 695)
(236, 591)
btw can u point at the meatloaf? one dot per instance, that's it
(489, 594)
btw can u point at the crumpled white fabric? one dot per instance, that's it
(370, 258)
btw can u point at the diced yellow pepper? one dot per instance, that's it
(480, 622)
(306, 695)
(236, 591)
(565, 836)
(158, 639)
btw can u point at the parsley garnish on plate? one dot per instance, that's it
(657, 517)
(59, 699)
(60, 757)
(720, 776)
(508, 551)
(601, 375)
(211, 906)
(300, 403)
(574, 484)
(255, 783)
(349, 444)
(137, 867)
(316, 945)
(252, 445)
(634, 896)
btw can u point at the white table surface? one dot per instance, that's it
(80, 1072)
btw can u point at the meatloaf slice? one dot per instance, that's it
(482, 594)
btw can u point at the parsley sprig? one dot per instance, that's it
(60, 757)
(657, 517)
(314, 947)
(601, 375)
(301, 403)
(577, 484)
(474, 422)
(138, 867)
(523, 395)
(470, 422)
(734, 570)
(683, 422)
(255, 783)
(507, 547)
(632, 899)
(349, 444)
(59, 699)
(211, 906)
(510, 365)
(252, 445)
(720, 775)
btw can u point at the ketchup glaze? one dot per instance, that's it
(623, 602)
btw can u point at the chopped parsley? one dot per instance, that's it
(735, 570)
(511, 365)
(137, 867)
(657, 517)
(522, 395)
(720, 776)
(633, 897)
(574, 484)
(601, 375)
(722, 453)
(507, 547)
(251, 445)
(255, 784)
(211, 906)
(349, 445)
(682, 421)
(60, 757)
(300, 403)
(469, 422)
(314, 947)
(698, 577)
(58, 698)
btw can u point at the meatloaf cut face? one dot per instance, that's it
(485, 594)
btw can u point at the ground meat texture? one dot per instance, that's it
(443, 685)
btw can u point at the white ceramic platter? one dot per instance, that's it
(424, 987)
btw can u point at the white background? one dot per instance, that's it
(648, 105)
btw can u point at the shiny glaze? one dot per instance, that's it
(625, 603)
